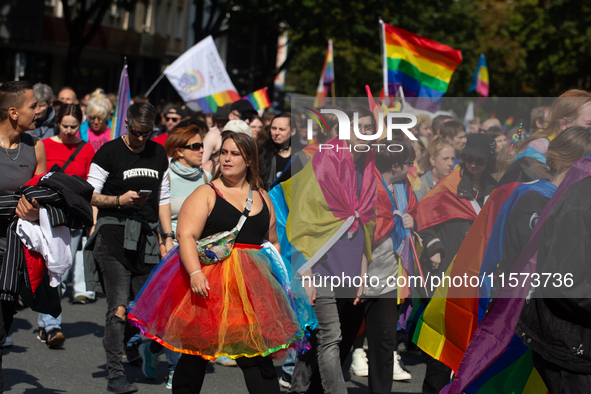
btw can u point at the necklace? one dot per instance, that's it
(6, 149)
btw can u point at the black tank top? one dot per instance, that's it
(224, 217)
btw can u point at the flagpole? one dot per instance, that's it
(384, 57)
(154, 85)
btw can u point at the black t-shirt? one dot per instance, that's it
(130, 171)
(281, 163)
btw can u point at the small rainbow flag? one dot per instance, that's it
(509, 122)
(259, 99)
(480, 78)
(210, 104)
(326, 78)
(123, 101)
(421, 66)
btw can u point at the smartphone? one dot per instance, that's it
(144, 193)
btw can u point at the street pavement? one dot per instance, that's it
(79, 366)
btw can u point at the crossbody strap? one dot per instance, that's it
(73, 156)
(246, 210)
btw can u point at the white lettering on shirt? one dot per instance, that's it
(140, 172)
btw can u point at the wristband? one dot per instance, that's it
(117, 202)
(194, 272)
(168, 235)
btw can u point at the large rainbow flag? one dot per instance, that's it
(259, 99)
(326, 78)
(480, 78)
(421, 66)
(511, 371)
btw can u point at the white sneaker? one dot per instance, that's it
(359, 365)
(8, 343)
(399, 372)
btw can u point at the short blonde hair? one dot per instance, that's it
(97, 105)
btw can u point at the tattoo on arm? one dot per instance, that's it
(103, 201)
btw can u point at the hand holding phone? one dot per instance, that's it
(144, 193)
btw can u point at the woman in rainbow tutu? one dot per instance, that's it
(238, 306)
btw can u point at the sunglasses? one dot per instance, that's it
(471, 159)
(245, 117)
(196, 146)
(93, 118)
(139, 133)
(171, 119)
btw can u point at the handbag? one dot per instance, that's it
(56, 167)
(217, 247)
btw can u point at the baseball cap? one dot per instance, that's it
(223, 112)
(479, 145)
(177, 110)
(238, 126)
(242, 106)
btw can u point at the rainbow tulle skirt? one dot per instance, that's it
(248, 311)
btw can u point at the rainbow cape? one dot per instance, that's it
(259, 99)
(326, 78)
(513, 371)
(421, 66)
(480, 78)
(446, 326)
(123, 101)
(509, 302)
(210, 104)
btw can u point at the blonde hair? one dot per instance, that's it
(98, 105)
(436, 145)
(567, 148)
(565, 109)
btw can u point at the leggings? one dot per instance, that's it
(259, 374)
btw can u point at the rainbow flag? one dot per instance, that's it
(480, 78)
(259, 99)
(509, 122)
(123, 101)
(421, 66)
(210, 104)
(326, 78)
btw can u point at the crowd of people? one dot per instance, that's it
(205, 232)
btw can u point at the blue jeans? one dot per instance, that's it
(47, 321)
(290, 361)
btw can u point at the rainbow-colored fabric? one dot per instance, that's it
(421, 66)
(123, 101)
(259, 99)
(326, 78)
(210, 104)
(480, 78)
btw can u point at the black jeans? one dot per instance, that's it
(559, 380)
(7, 311)
(119, 284)
(259, 375)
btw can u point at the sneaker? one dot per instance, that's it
(80, 300)
(120, 385)
(42, 334)
(399, 372)
(359, 366)
(8, 342)
(133, 355)
(169, 381)
(150, 365)
(55, 338)
(285, 380)
(225, 361)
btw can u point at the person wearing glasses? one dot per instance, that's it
(97, 129)
(173, 116)
(132, 194)
(242, 110)
(59, 149)
(444, 216)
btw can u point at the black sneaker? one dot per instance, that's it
(55, 338)
(42, 334)
(120, 385)
(133, 355)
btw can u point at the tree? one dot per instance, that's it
(77, 17)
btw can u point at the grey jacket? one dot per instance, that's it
(427, 184)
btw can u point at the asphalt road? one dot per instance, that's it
(79, 366)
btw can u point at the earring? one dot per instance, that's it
(182, 155)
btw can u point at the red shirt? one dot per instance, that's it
(161, 139)
(58, 153)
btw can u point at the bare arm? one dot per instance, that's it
(130, 198)
(212, 139)
(271, 235)
(41, 158)
(164, 215)
(191, 222)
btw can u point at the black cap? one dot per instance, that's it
(242, 106)
(177, 110)
(223, 112)
(479, 145)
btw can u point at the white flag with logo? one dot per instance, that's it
(199, 73)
